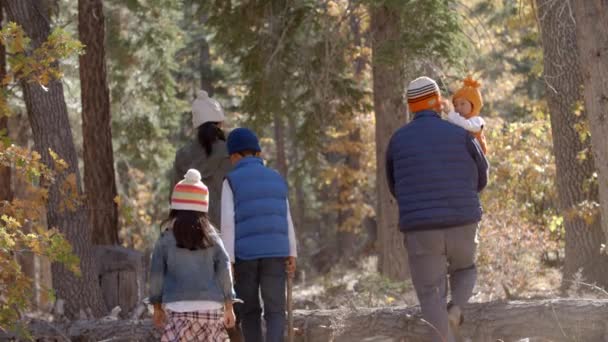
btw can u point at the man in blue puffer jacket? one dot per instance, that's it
(435, 171)
(258, 234)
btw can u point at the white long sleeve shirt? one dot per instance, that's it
(228, 224)
(474, 124)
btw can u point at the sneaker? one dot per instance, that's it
(455, 318)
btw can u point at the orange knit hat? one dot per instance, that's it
(470, 92)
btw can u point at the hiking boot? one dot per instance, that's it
(455, 318)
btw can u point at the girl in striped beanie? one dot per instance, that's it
(191, 285)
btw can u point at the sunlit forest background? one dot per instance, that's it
(309, 76)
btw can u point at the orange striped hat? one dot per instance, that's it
(422, 93)
(190, 193)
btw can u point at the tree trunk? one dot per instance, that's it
(563, 79)
(205, 68)
(298, 206)
(544, 320)
(5, 172)
(48, 118)
(99, 177)
(390, 114)
(279, 140)
(592, 39)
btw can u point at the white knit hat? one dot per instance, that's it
(190, 193)
(206, 109)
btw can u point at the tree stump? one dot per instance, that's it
(121, 276)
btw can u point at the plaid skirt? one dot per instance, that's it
(195, 326)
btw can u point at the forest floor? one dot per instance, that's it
(364, 287)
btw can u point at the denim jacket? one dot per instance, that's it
(178, 274)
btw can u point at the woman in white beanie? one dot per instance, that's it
(207, 152)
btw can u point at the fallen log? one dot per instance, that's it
(543, 320)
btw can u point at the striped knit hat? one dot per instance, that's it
(422, 93)
(190, 193)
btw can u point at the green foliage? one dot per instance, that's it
(431, 31)
(148, 104)
(297, 59)
(143, 39)
(506, 55)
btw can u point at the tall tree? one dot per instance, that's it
(562, 73)
(592, 39)
(390, 114)
(99, 178)
(48, 117)
(279, 140)
(5, 172)
(349, 199)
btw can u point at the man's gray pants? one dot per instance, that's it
(433, 254)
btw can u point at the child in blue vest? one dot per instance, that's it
(259, 237)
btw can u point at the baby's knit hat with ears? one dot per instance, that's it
(190, 193)
(206, 109)
(470, 92)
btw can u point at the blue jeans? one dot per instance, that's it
(268, 277)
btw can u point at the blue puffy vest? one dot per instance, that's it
(260, 210)
(435, 175)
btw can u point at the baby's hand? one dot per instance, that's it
(446, 106)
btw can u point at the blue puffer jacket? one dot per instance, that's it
(260, 210)
(435, 170)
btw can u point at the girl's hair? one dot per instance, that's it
(191, 229)
(208, 134)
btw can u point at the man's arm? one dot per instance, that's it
(480, 160)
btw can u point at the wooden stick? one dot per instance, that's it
(289, 308)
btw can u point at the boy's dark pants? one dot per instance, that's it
(268, 276)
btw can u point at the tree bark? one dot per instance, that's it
(298, 206)
(47, 113)
(205, 67)
(99, 176)
(279, 140)
(545, 320)
(562, 73)
(592, 39)
(5, 172)
(206, 70)
(390, 114)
